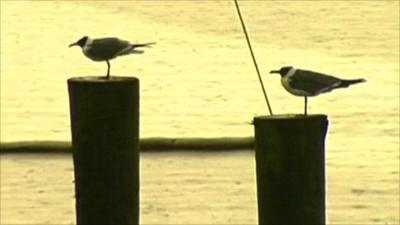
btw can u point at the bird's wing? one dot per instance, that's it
(107, 48)
(313, 82)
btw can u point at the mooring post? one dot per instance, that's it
(290, 168)
(105, 144)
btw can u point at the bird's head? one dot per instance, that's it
(81, 42)
(282, 71)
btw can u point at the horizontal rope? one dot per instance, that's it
(146, 144)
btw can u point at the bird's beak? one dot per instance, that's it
(73, 44)
(274, 71)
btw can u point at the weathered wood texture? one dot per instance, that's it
(290, 166)
(105, 145)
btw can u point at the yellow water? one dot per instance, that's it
(199, 81)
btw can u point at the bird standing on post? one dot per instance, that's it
(308, 83)
(105, 49)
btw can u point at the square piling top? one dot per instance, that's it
(290, 117)
(102, 79)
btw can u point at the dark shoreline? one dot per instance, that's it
(146, 144)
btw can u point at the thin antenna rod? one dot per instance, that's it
(252, 55)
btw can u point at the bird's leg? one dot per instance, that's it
(305, 105)
(108, 70)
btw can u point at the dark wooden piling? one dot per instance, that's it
(290, 162)
(105, 144)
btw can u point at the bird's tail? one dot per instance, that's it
(133, 48)
(346, 83)
(144, 45)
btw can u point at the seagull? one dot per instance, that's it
(105, 49)
(308, 83)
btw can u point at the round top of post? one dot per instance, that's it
(102, 79)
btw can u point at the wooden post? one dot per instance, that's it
(105, 144)
(290, 166)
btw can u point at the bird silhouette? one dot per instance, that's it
(105, 49)
(308, 83)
